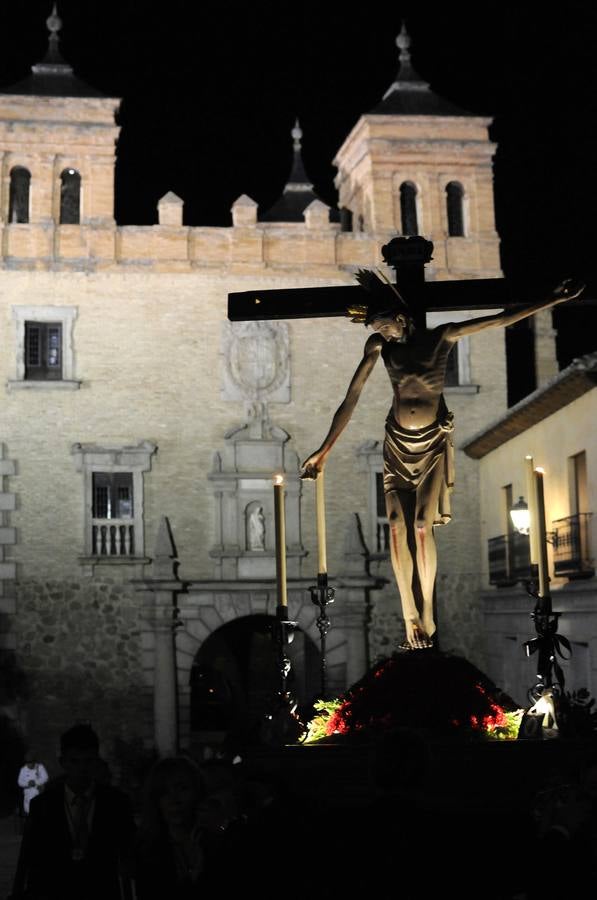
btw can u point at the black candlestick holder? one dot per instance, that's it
(550, 682)
(548, 644)
(322, 595)
(283, 725)
(283, 634)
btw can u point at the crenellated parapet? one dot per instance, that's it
(316, 244)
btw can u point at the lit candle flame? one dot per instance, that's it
(278, 479)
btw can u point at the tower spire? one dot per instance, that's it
(409, 94)
(53, 63)
(52, 76)
(406, 77)
(298, 180)
(298, 191)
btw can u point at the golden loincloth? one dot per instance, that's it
(410, 456)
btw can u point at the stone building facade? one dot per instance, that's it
(555, 426)
(129, 397)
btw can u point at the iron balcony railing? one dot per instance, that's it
(571, 547)
(509, 558)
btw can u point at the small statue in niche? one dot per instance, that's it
(255, 527)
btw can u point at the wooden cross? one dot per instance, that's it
(407, 256)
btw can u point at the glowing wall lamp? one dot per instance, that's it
(521, 516)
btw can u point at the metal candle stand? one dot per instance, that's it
(322, 595)
(548, 643)
(549, 706)
(547, 694)
(283, 633)
(283, 724)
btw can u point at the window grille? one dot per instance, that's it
(112, 514)
(43, 351)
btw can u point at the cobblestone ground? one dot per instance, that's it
(10, 840)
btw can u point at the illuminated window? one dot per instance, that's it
(113, 501)
(70, 197)
(113, 532)
(43, 351)
(18, 199)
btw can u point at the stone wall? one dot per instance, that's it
(79, 644)
(148, 307)
(147, 354)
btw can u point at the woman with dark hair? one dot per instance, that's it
(171, 851)
(200, 828)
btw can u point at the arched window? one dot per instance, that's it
(454, 198)
(70, 197)
(345, 219)
(18, 198)
(452, 368)
(408, 208)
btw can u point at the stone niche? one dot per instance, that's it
(242, 482)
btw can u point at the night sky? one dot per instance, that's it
(210, 92)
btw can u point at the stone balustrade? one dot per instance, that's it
(112, 537)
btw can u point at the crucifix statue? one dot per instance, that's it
(418, 448)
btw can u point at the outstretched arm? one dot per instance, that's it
(313, 465)
(567, 290)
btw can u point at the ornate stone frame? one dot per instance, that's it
(90, 458)
(66, 315)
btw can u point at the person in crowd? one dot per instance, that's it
(200, 827)
(80, 832)
(32, 779)
(175, 832)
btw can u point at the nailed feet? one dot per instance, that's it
(417, 639)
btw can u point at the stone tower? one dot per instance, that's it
(418, 164)
(58, 137)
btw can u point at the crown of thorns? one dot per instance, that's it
(385, 298)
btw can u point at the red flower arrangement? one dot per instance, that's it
(438, 693)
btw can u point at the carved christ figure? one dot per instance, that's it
(418, 450)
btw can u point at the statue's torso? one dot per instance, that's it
(417, 370)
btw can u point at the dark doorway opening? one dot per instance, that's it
(234, 677)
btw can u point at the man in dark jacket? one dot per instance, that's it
(80, 832)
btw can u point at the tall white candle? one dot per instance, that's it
(280, 539)
(322, 563)
(532, 501)
(541, 536)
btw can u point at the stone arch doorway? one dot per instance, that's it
(234, 675)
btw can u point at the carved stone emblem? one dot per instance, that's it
(255, 358)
